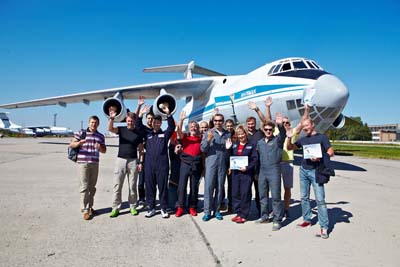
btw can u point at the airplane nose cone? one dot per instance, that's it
(330, 92)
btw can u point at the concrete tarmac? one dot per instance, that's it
(41, 225)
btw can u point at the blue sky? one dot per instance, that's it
(51, 48)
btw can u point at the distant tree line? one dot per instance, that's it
(354, 129)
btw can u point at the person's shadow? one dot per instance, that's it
(335, 214)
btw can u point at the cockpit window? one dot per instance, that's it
(286, 66)
(311, 65)
(299, 65)
(316, 65)
(272, 68)
(277, 68)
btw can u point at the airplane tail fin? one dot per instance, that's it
(4, 120)
(187, 69)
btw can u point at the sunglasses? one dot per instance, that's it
(286, 122)
(268, 129)
(218, 120)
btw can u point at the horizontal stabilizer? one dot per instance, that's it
(187, 69)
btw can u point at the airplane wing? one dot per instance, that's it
(179, 88)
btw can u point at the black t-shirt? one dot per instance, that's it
(309, 140)
(254, 138)
(128, 142)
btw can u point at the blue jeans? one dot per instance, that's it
(307, 178)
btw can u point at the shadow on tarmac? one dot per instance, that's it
(342, 166)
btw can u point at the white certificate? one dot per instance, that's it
(312, 151)
(236, 162)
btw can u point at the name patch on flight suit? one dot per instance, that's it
(161, 135)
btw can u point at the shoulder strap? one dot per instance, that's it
(83, 135)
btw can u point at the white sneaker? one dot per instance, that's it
(164, 214)
(150, 213)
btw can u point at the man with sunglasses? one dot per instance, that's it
(213, 145)
(287, 155)
(270, 154)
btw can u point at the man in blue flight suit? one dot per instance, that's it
(156, 162)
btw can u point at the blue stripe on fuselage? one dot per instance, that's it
(241, 95)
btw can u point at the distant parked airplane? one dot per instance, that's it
(291, 82)
(8, 125)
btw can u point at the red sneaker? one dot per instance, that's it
(193, 211)
(240, 220)
(179, 212)
(236, 218)
(304, 224)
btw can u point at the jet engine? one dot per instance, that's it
(118, 103)
(339, 122)
(164, 99)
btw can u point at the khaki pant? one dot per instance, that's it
(88, 173)
(123, 168)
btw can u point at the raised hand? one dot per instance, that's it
(141, 100)
(278, 118)
(112, 111)
(145, 109)
(289, 133)
(165, 108)
(252, 105)
(268, 101)
(228, 143)
(210, 135)
(183, 115)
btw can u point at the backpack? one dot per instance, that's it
(73, 152)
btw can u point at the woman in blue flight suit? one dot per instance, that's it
(242, 178)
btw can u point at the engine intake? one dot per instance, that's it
(118, 103)
(164, 99)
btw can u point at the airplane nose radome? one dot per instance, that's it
(330, 92)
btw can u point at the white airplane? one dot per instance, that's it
(291, 82)
(8, 125)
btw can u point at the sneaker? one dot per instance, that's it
(218, 216)
(193, 211)
(114, 213)
(164, 214)
(235, 218)
(86, 216)
(304, 224)
(140, 205)
(179, 212)
(134, 212)
(324, 233)
(263, 219)
(223, 206)
(276, 226)
(271, 216)
(150, 213)
(240, 220)
(206, 217)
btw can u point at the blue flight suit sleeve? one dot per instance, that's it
(204, 146)
(253, 159)
(171, 127)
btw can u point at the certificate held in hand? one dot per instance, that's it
(312, 151)
(236, 162)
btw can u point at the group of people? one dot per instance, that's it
(152, 158)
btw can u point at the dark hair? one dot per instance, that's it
(94, 117)
(251, 118)
(269, 123)
(157, 117)
(230, 121)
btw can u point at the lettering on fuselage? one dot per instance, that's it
(248, 93)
